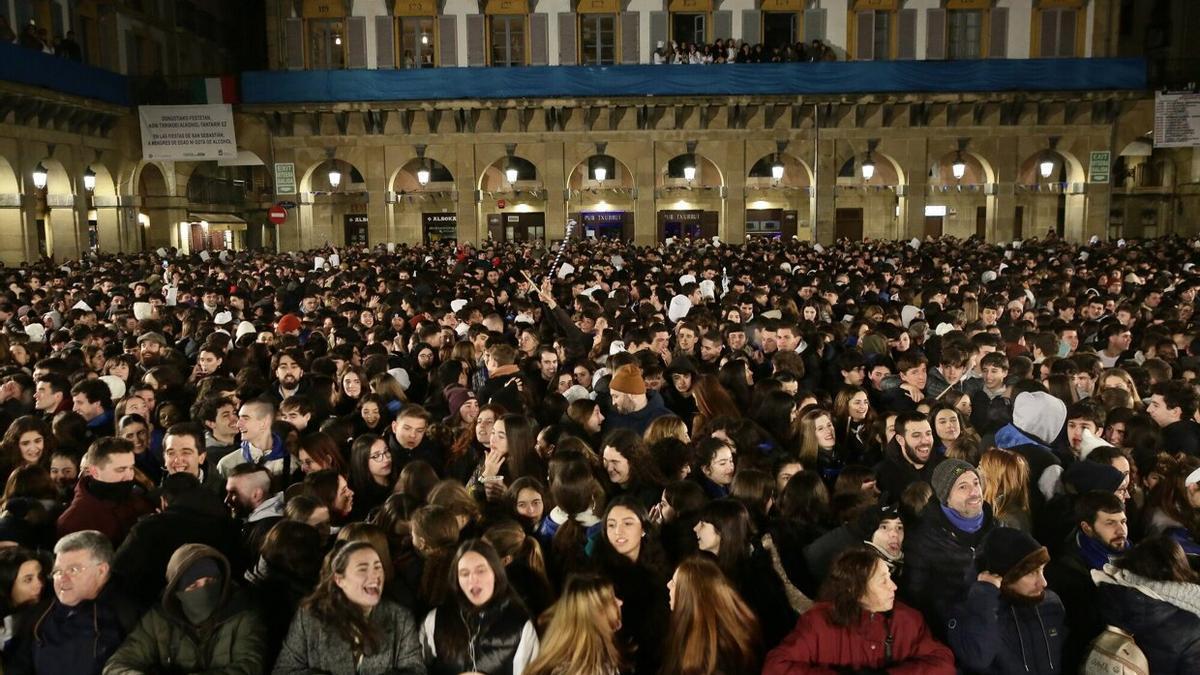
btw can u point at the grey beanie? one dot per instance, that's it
(946, 473)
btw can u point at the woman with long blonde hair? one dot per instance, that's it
(712, 629)
(1006, 487)
(1121, 379)
(666, 426)
(580, 631)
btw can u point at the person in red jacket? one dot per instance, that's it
(107, 498)
(858, 627)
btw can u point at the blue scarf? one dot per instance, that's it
(1093, 551)
(277, 451)
(964, 524)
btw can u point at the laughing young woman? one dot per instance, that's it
(346, 625)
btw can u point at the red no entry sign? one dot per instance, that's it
(277, 214)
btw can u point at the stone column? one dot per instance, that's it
(826, 191)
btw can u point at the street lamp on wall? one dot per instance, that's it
(959, 167)
(1046, 167)
(868, 168)
(335, 177)
(777, 170)
(599, 173)
(40, 176)
(423, 176)
(511, 174)
(89, 180)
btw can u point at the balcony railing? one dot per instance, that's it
(989, 75)
(26, 66)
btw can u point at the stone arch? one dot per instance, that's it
(493, 178)
(706, 170)
(979, 170)
(796, 172)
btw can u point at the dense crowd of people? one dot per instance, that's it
(696, 458)
(739, 51)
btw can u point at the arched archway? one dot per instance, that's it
(103, 216)
(514, 200)
(868, 203)
(12, 248)
(1050, 194)
(336, 208)
(424, 203)
(600, 198)
(779, 197)
(690, 195)
(958, 202)
(51, 209)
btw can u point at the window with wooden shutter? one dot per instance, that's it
(447, 38)
(1058, 32)
(294, 36)
(631, 45)
(385, 43)
(751, 26)
(906, 39)
(567, 46)
(506, 36)
(935, 33)
(998, 40)
(356, 29)
(539, 39)
(476, 40)
(964, 34)
(722, 25)
(814, 24)
(659, 22)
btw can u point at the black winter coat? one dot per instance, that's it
(895, 473)
(940, 564)
(990, 635)
(1167, 635)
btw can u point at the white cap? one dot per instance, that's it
(36, 332)
(457, 304)
(1192, 478)
(943, 328)
(708, 289)
(245, 328)
(616, 347)
(115, 385)
(989, 276)
(82, 305)
(401, 376)
(575, 393)
(818, 248)
(1089, 442)
(687, 279)
(222, 318)
(142, 310)
(915, 243)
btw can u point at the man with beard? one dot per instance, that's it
(940, 556)
(106, 499)
(1101, 534)
(909, 458)
(633, 406)
(1009, 622)
(152, 349)
(289, 374)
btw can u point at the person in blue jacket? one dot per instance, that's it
(1009, 622)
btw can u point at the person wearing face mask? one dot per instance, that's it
(1008, 622)
(348, 626)
(200, 625)
(939, 557)
(107, 498)
(483, 627)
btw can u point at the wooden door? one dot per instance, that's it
(848, 224)
(981, 222)
(933, 226)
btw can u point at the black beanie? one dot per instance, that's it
(1083, 477)
(1010, 553)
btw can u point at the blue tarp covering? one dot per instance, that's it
(321, 86)
(26, 66)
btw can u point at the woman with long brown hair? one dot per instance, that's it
(818, 444)
(712, 401)
(857, 613)
(472, 443)
(855, 420)
(1174, 505)
(348, 626)
(711, 629)
(580, 636)
(1006, 487)
(28, 440)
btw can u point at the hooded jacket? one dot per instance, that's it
(231, 640)
(1033, 429)
(991, 635)
(1163, 617)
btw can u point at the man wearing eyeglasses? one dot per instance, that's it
(85, 622)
